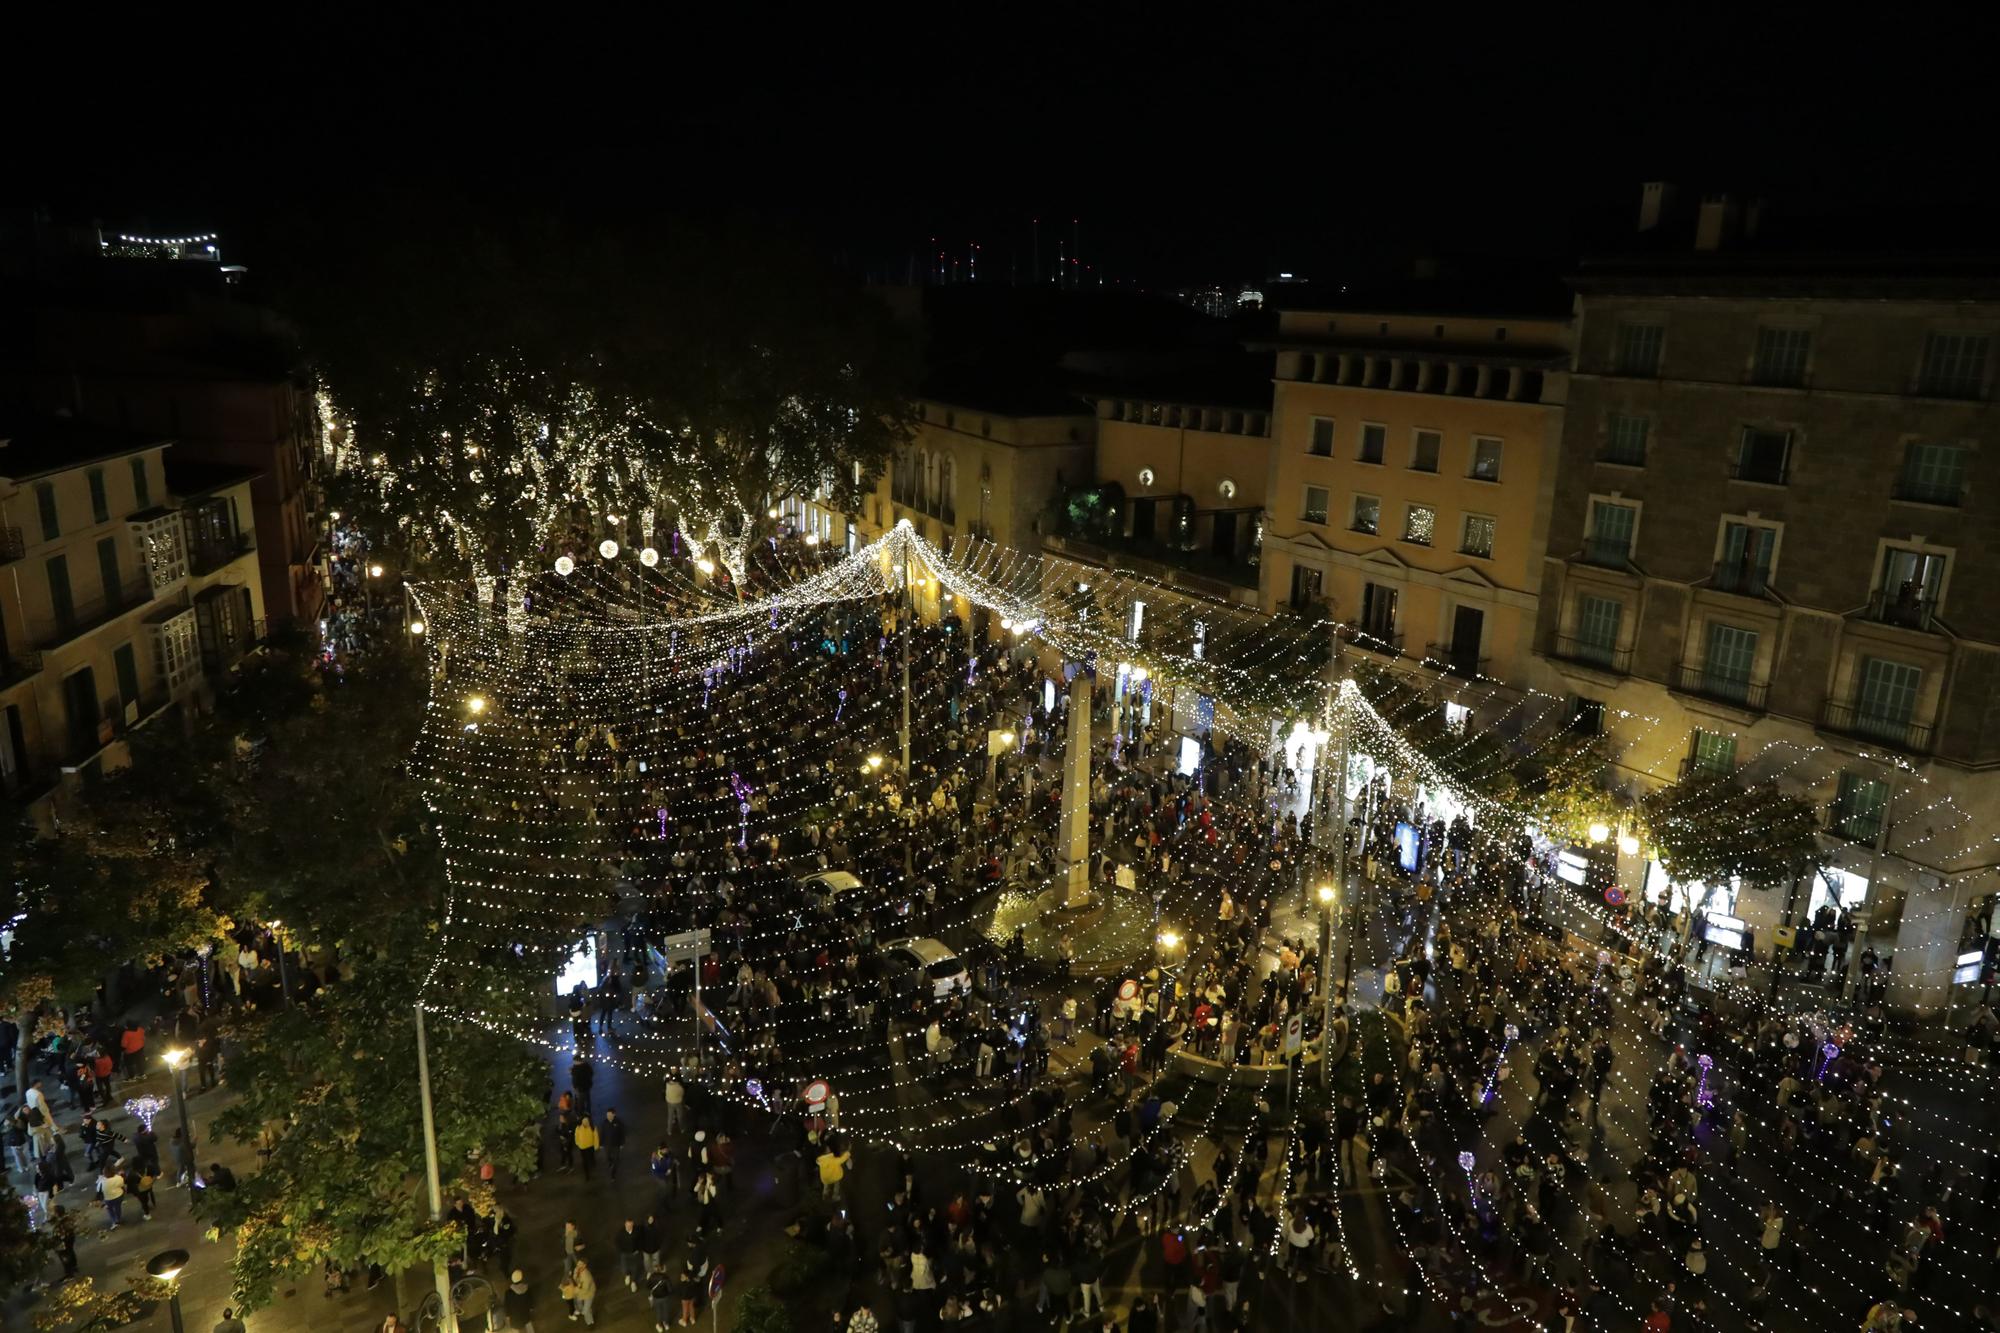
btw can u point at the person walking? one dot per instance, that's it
(832, 1171)
(230, 1322)
(612, 1136)
(517, 1304)
(586, 1144)
(676, 1105)
(111, 1189)
(631, 1257)
(584, 1283)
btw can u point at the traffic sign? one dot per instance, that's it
(715, 1282)
(1128, 989)
(1295, 1035)
(687, 946)
(816, 1092)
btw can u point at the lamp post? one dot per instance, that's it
(284, 971)
(447, 1313)
(1328, 897)
(165, 1267)
(177, 1058)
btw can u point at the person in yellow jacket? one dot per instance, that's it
(586, 1144)
(833, 1170)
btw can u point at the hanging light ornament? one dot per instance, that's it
(608, 549)
(649, 557)
(565, 566)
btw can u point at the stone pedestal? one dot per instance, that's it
(1073, 835)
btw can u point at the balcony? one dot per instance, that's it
(1703, 683)
(1923, 491)
(1603, 656)
(1911, 611)
(1854, 822)
(11, 545)
(81, 617)
(1447, 657)
(1607, 553)
(17, 667)
(1849, 719)
(1742, 579)
(1381, 639)
(210, 554)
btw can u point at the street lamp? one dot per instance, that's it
(1328, 896)
(1599, 831)
(165, 1267)
(284, 973)
(374, 571)
(416, 627)
(476, 704)
(177, 1058)
(705, 565)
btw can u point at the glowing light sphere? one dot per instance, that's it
(649, 557)
(565, 566)
(476, 704)
(416, 627)
(608, 549)
(705, 565)
(1599, 831)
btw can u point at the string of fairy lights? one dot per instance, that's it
(612, 694)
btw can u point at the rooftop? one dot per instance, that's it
(40, 446)
(1528, 293)
(190, 479)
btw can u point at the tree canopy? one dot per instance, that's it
(497, 375)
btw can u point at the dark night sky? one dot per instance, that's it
(1191, 146)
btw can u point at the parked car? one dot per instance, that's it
(927, 967)
(826, 889)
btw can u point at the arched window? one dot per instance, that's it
(947, 494)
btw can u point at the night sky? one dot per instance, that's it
(1191, 148)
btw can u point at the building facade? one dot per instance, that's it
(1410, 477)
(1771, 555)
(119, 597)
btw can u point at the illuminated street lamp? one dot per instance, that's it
(476, 704)
(177, 1058)
(374, 571)
(165, 1267)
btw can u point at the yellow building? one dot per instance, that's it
(122, 580)
(1412, 457)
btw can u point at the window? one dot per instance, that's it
(1305, 586)
(1780, 358)
(1478, 536)
(1378, 611)
(128, 673)
(1747, 553)
(45, 501)
(1625, 439)
(1373, 440)
(1367, 514)
(1857, 808)
(176, 652)
(1911, 588)
(1638, 351)
(1424, 455)
(1315, 506)
(1612, 526)
(1732, 655)
(1419, 523)
(1587, 716)
(1322, 437)
(100, 502)
(1885, 702)
(1597, 624)
(1713, 753)
(1954, 365)
(1932, 473)
(1485, 459)
(142, 490)
(1764, 455)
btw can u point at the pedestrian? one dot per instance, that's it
(676, 1105)
(230, 1322)
(111, 1190)
(631, 1257)
(689, 1289)
(612, 1136)
(517, 1306)
(584, 1284)
(586, 1144)
(832, 1171)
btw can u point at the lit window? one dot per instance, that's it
(1478, 536)
(1367, 514)
(1419, 522)
(1315, 505)
(1486, 459)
